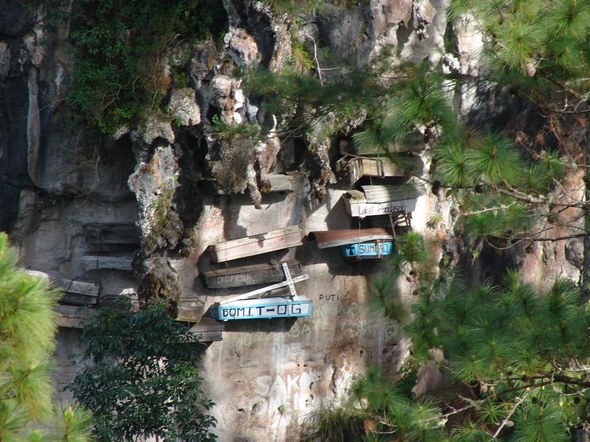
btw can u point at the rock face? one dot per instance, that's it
(187, 189)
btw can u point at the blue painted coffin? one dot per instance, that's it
(368, 250)
(263, 308)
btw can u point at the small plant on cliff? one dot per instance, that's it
(142, 380)
(120, 52)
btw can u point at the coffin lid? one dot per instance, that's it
(335, 238)
(382, 194)
(256, 302)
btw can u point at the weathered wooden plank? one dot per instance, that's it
(280, 182)
(256, 244)
(72, 317)
(99, 262)
(263, 308)
(382, 200)
(74, 292)
(381, 167)
(111, 233)
(208, 330)
(78, 287)
(249, 275)
(78, 292)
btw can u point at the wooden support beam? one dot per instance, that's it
(99, 262)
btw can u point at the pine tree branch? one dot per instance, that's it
(315, 58)
(490, 209)
(519, 401)
(521, 196)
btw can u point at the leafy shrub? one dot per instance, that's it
(120, 49)
(142, 377)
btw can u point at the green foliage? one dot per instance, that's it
(345, 97)
(515, 358)
(120, 51)
(543, 39)
(28, 325)
(331, 423)
(234, 131)
(420, 100)
(377, 410)
(143, 379)
(302, 59)
(523, 352)
(27, 328)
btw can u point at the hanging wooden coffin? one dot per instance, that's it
(70, 316)
(77, 292)
(111, 234)
(263, 308)
(256, 244)
(382, 200)
(379, 167)
(249, 275)
(101, 262)
(357, 243)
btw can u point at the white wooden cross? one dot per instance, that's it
(289, 282)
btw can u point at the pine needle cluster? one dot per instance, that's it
(28, 325)
(27, 339)
(517, 358)
(542, 40)
(516, 361)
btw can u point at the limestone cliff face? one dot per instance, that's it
(186, 189)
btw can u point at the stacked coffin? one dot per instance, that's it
(382, 200)
(254, 304)
(113, 246)
(379, 166)
(357, 244)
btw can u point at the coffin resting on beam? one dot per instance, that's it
(77, 292)
(263, 308)
(73, 317)
(111, 234)
(102, 262)
(249, 275)
(356, 244)
(256, 244)
(74, 292)
(382, 200)
(380, 167)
